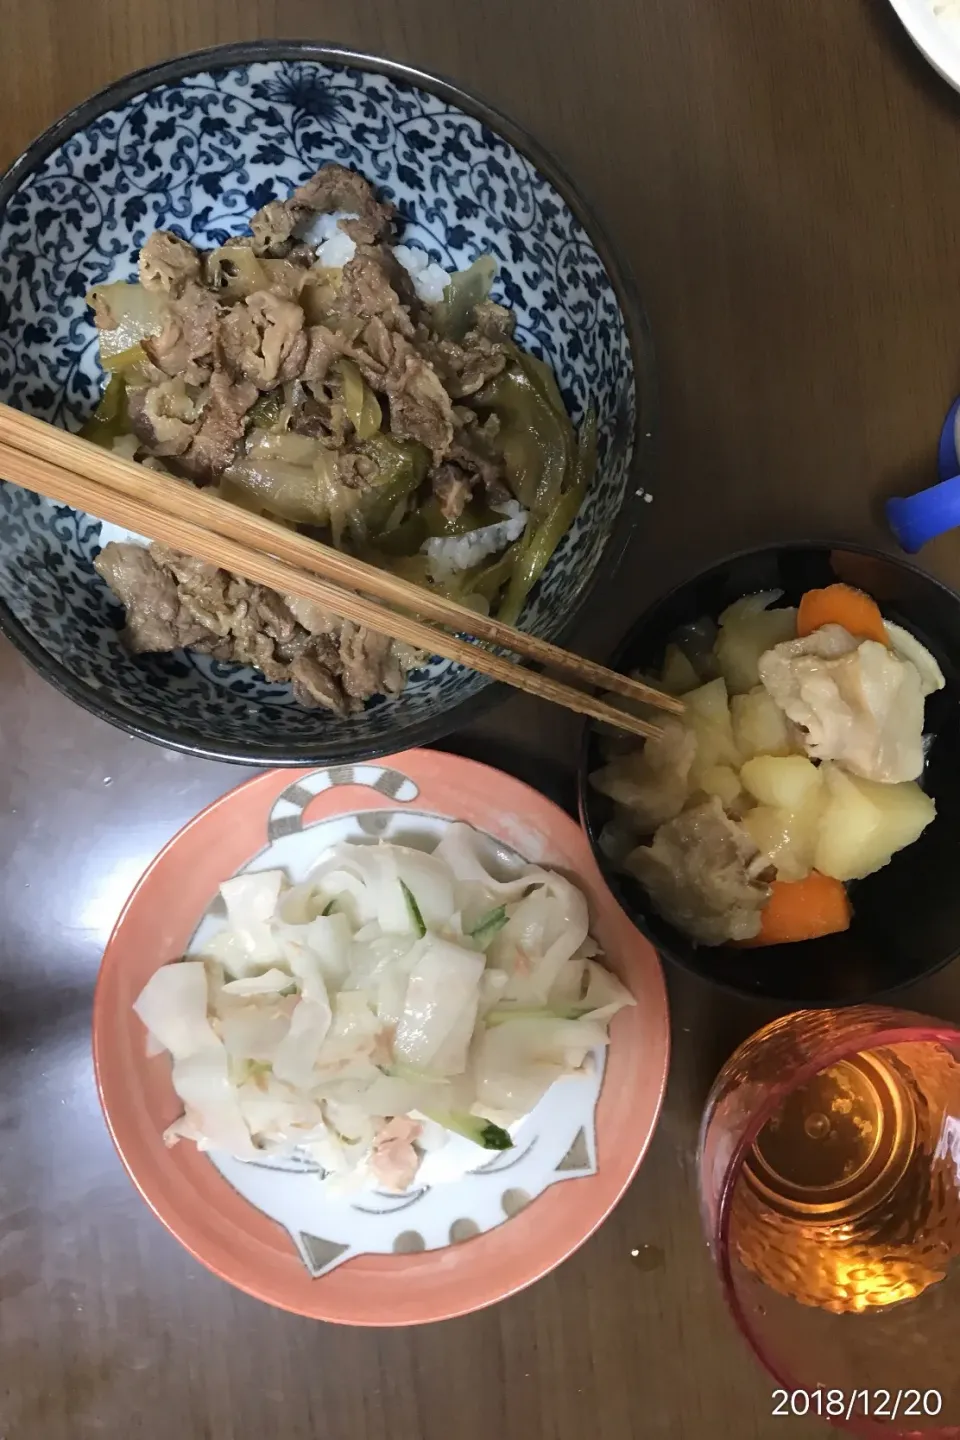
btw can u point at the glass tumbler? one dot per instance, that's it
(829, 1165)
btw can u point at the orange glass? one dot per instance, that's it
(830, 1190)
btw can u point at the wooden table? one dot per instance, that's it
(782, 177)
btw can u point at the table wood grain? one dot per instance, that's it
(782, 178)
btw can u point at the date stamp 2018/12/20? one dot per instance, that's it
(849, 1404)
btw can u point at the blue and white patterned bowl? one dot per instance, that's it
(196, 145)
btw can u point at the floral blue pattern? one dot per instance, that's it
(198, 154)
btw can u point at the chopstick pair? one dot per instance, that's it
(74, 472)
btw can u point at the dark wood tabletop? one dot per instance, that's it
(782, 178)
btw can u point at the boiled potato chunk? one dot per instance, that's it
(787, 838)
(760, 726)
(747, 629)
(847, 827)
(865, 823)
(709, 703)
(708, 716)
(787, 782)
(905, 812)
(722, 781)
(678, 674)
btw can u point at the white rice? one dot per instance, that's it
(446, 555)
(510, 508)
(334, 248)
(429, 279)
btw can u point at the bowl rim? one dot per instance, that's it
(611, 877)
(639, 339)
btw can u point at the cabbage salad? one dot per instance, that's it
(395, 996)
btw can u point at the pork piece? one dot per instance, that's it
(420, 408)
(332, 188)
(705, 875)
(857, 701)
(165, 417)
(221, 430)
(263, 339)
(168, 264)
(653, 782)
(185, 346)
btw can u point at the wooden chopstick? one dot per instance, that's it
(82, 493)
(80, 457)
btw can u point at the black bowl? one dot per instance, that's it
(907, 916)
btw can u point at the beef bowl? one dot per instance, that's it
(292, 336)
(805, 854)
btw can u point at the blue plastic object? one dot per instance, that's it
(921, 517)
(948, 461)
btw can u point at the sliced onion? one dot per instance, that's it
(138, 313)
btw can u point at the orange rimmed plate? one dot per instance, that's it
(187, 1191)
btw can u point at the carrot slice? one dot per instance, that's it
(842, 605)
(803, 910)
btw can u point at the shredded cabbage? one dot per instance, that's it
(392, 998)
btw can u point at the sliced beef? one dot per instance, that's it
(260, 316)
(165, 417)
(453, 489)
(492, 322)
(324, 347)
(315, 684)
(370, 664)
(168, 263)
(263, 339)
(221, 430)
(356, 470)
(155, 618)
(476, 454)
(288, 277)
(314, 619)
(366, 663)
(374, 350)
(185, 346)
(173, 600)
(320, 415)
(420, 408)
(465, 369)
(372, 285)
(332, 188)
